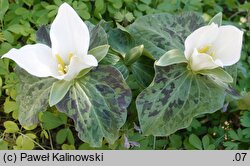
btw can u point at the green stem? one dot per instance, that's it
(1, 24)
(154, 142)
(2, 136)
(32, 140)
(50, 140)
(235, 14)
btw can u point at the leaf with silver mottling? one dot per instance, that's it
(97, 103)
(33, 97)
(174, 98)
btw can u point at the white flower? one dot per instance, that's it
(211, 46)
(68, 54)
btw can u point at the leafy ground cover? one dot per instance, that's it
(228, 128)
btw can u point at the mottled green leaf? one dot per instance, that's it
(121, 41)
(163, 32)
(110, 59)
(97, 103)
(122, 68)
(175, 96)
(42, 36)
(133, 60)
(143, 71)
(98, 35)
(58, 91)
(33, 96)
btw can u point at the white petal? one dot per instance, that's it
(35, 59)
(227, 46)
(69, 34)
(218, 62)
(90, 60)
(202, 61)
(77, 64)
(201, 37)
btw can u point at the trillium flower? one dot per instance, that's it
(68, 54)
(212, 46)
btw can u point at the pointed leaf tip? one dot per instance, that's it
(171, 57)
(133, 54)
(219, 74)
(58, 91)
(99, 52)
(217, 19)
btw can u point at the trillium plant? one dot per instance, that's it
(182, 66)
(68, 54)
(96, 98)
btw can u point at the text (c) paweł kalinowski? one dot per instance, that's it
(61, 157)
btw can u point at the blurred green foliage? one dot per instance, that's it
(20, 19)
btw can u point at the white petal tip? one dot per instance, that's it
(214, 24)
(65, 5)
(9, 54)
(91, 60)
(4, 56)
